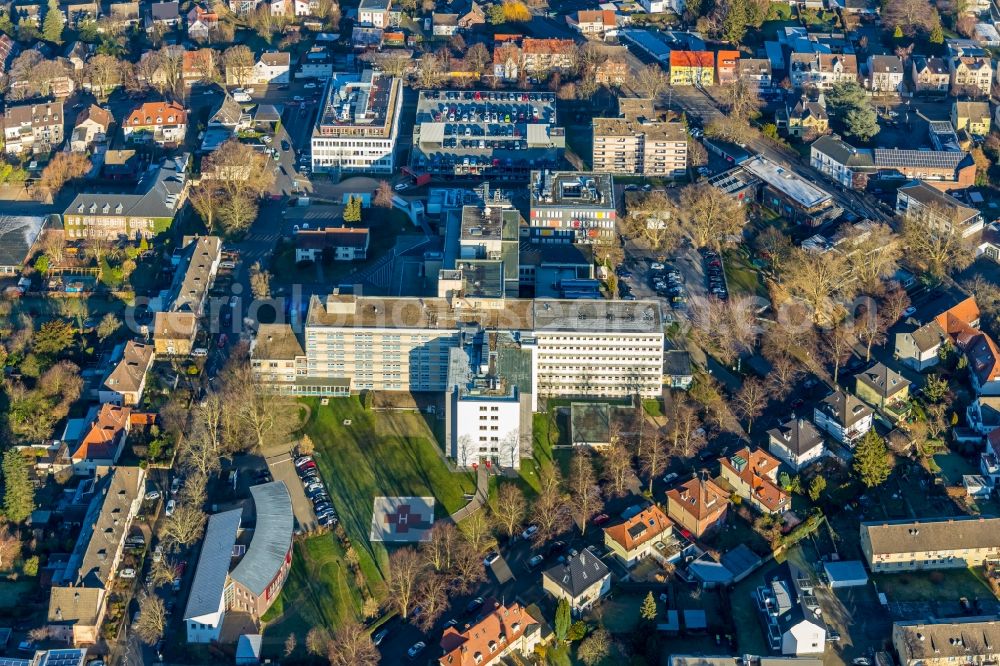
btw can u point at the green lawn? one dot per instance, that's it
(379, 454)
(953, 467)
(320, 591)
(947, 584)
(741, 275)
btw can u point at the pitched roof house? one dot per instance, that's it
(592, 21)
(582, 580)
(697, 505)
(159, 122)
(502, 631)
(797, 442)
(753, 475)
(33, 127)
(881, 386)
(967, 640)
(91, 127)
(929, 74)
(932, 543)
(922, 335)
(637, 537)
(790, 612)
(103, 443)
(125, 383)
(844, 416)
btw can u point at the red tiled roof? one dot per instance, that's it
(543, 46)
(101, 441)
(692, 59)
(158, 113)
(652, 518)
(699, 498)
(756, 475)
(728, 59)
(487, 638)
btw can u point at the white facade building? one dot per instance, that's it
(358, 123)
(487, 427)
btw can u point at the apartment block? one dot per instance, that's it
(970, 74)
(822, 70)
(358, 123)
(33, 127)
(964, 640)
(640, 142)
(933, 543)
(692, 68)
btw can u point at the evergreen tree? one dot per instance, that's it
(648, 610)
(52, 26)
(563, 620)
(937, 35)
(734, 23)
(19, 494)
(817, 487)
(871, 460)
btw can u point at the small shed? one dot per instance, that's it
(740, 561)
(695, 620)
(248, 650)
(847, 573)
(672, 625)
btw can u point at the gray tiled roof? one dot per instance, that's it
(213, 564)
(797, 435)
(579, 573)
(158, 195)
(18, 234)
(932, 534)
(883, 380)
(844, 408)
(272, 537)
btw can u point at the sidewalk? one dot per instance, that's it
(482, 492)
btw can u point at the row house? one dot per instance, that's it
(930, 543)
(532, 57)
(164, 123)
(503, 630)
(822, 70)
(290, 7)
(885, 74)
(929, 74)
(942, 642)
(34, 128)
(689, 68)
(727, 67)
(756, 72)
(970, 75)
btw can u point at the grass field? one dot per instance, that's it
(741, 276)
(928, 586)
(319, 592)
(380, 453)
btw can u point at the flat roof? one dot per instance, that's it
(788, 183)
(358, 105)
(579, 189)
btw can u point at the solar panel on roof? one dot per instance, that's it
(917, 158)
(11, 661)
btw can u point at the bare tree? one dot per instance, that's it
(652, 81)
(652, 218)
(260, 281)
(935, 242)
(352, 645)
(750, 400)
(10, 546)
(710, 215)
(439, 550)
(894, 304)
(618, 467)
(163, 571)
(816, 279)
(105, 73)
(785, 372)
(432, 597)
(239, 63)
(911, 16)
(405, 570)
(266, 416)
(186, 525)
(550, 509)
(467, 565)
(478, 532)
(872, 255)
(837, 343)
(584, 493)
(509, 508)
(684, 429)
(152, 620)
(654, 460)
(383, 195)
(727, 328)
(870, 327)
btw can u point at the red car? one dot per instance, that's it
(222, 340)
(601, 519)
(308, 465)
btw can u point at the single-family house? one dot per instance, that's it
(797, 442)
(922, 335)
(808, 118)
(973, 117)
(790, 612)
(374, 13)
(970, 75)
(843, 416)
(103, 443)
(637, 538)
(201, 22)
(822, 70)
(754, 477)
(882, 387)
(885, 75)
(272, 67)
(163, 16)
(756, 72)
(983, 357)
(989, 459)
(126, 382)
(92, 125)
(582, 580)
(727, 67)
(164, 123)
(929, 74)
(697, 505)
(592, 22)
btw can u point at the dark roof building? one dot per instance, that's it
(582, 580)
(18, 235)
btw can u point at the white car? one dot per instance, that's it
(491, 558)
(199, 352)
(158, 552)
(266, 139)
(309, 85)
(297, 98)
(171, 505)
(530, 532)
(126, 573)
(152, 495)
(399, 187)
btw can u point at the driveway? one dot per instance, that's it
(283, 469)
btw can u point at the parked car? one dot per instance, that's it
(535, 561)
(199, 352)
(171, 505)
(399, 187)
(380, 636)
(152, 495)
(416, 649)
(302, 460)
(491, 558)
(601, 518)
(529, 532)
(158, 553)
(127, 573)
(474, 605)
